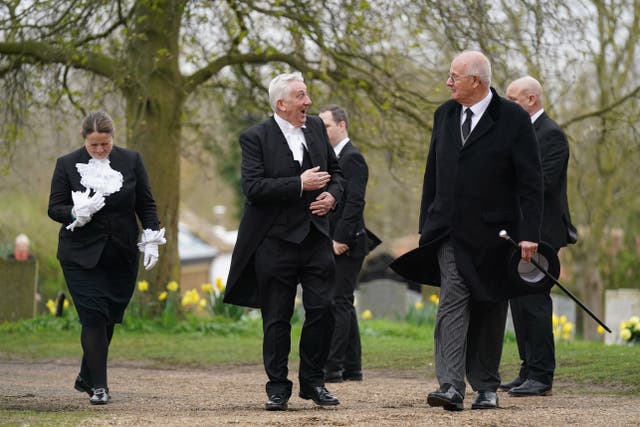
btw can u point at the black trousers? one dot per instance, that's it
(280, 267)
(532, 322)
(345, 353)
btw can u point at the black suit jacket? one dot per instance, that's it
(347, 219)
(554, 152)
(271, 185)
(471, 192)
(116, 221)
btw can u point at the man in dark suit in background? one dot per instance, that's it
(291, 180)
(482, 175)
(532, 314)
(349, 246)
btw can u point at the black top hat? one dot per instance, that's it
(527, 277)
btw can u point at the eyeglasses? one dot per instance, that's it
(456, 79)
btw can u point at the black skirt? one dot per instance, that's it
(101, 294)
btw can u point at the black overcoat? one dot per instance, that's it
(471, 192)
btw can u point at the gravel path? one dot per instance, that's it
(144, 396)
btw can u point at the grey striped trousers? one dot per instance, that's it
(468, 334)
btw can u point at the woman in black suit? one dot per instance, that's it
(96, 193)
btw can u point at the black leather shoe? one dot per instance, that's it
(333, 376)
(276, 402)
(485, 400)
(448, 397)
(100, 396)
(515, 383)
(352, 376)
(531, 387)
(83, 386)
(320, 396)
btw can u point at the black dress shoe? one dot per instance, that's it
(515, 383)
(333, 376)
(83, 386)
(448, 397)
(320, 396)
(531, 387)
(352, 376)
(100, 396)
(485, 400)
(276, 402)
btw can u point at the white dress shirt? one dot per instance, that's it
(478, 110)
(294, 136)
(338, 148)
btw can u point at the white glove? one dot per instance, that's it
(150, 256)
(149, 241)
(84, 207)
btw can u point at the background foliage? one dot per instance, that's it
(186, 92)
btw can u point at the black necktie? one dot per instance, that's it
(466, 126)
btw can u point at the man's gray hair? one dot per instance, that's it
(279, 87)
(478, 65)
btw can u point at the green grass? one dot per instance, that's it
(386, 345)
(45, 419)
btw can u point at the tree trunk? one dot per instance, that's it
(154, 105)
(593, 291)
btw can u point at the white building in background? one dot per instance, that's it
(222, 262)
(196, 259)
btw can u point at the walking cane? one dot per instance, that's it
(504, 235)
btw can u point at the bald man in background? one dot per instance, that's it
(532, 314)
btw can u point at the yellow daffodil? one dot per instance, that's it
(624, 324)
(202, 303)
(630, 329)
(191, 297)
(367, 314)
(600, 330)
(51, 305)
(143, 286)
(433, 298)
(219, 284)
(563, 319)
(207, 288)
(163, 296)
(65, 304)
(172, 286)
(567, 327)
(554, 320)
(419, 305)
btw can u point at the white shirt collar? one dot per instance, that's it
(480, 107)
(338, 148)
(294, 137)
(536, 115)
(285, 126)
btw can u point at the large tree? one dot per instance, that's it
(155, 54)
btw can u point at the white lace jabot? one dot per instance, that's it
(98, 176)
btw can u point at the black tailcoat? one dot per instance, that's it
(347, 219)
(554, 150)
(272, 189)
(116, 221)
